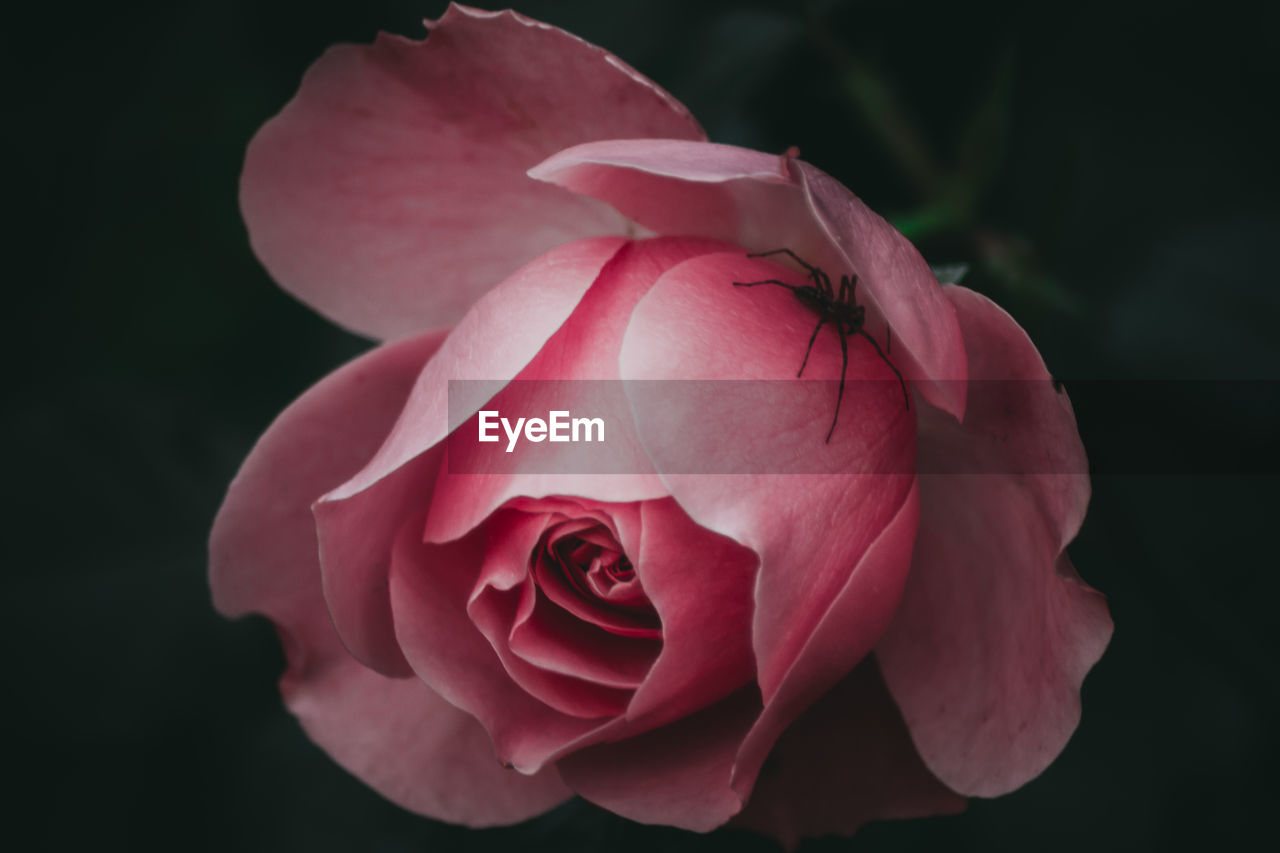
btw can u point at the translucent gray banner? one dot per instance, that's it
(616, 427)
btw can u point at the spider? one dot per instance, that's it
(840, 309)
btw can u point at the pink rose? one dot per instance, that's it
(804, 652)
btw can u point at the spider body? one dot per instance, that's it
(839, 308)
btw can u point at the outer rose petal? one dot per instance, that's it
(397, 735)
(358, 520)
(676, 775)
(586, 347)
(810, 530)
(855, 619)
(501, 334)
(696, 772)
(846, 761)
(701, 188)
(765, 202)
(413, 747)
(391, 191)
(898, 282)
(996, 632)
(701, 585)
(834, 548)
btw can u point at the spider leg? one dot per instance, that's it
(844, 367)
(822, 280)
(905, 396)
(793, 288)
(888, 339)
(819, 277)
(808, 350)
(799, 260)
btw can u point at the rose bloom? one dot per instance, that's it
(797, 653)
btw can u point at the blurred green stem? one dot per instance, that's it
(932, 219)
(949, 198)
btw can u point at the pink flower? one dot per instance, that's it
(800, 653)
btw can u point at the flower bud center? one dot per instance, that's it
(594, 563)
(590, 565)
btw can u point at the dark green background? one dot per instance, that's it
(1132, 156)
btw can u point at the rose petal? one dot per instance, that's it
(413, 747)
(834, 549)
(358, 520)
(562, 593)
(494, 613)
(553, 639)
(895, 279)
(996, 632)
(701, 585)
(390, 193)
(504, 597)
(397, 735)
(430, 587)
(501, 334)
(846, 761)
(809, 530)
(586, 347)
(856, 618)
(765, 202)
(327, 433)
(676, 775)
(673, 187)
(623, 521)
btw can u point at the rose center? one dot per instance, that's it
(598, 569)
(583, 559)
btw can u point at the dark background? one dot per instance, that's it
(1108, 171)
